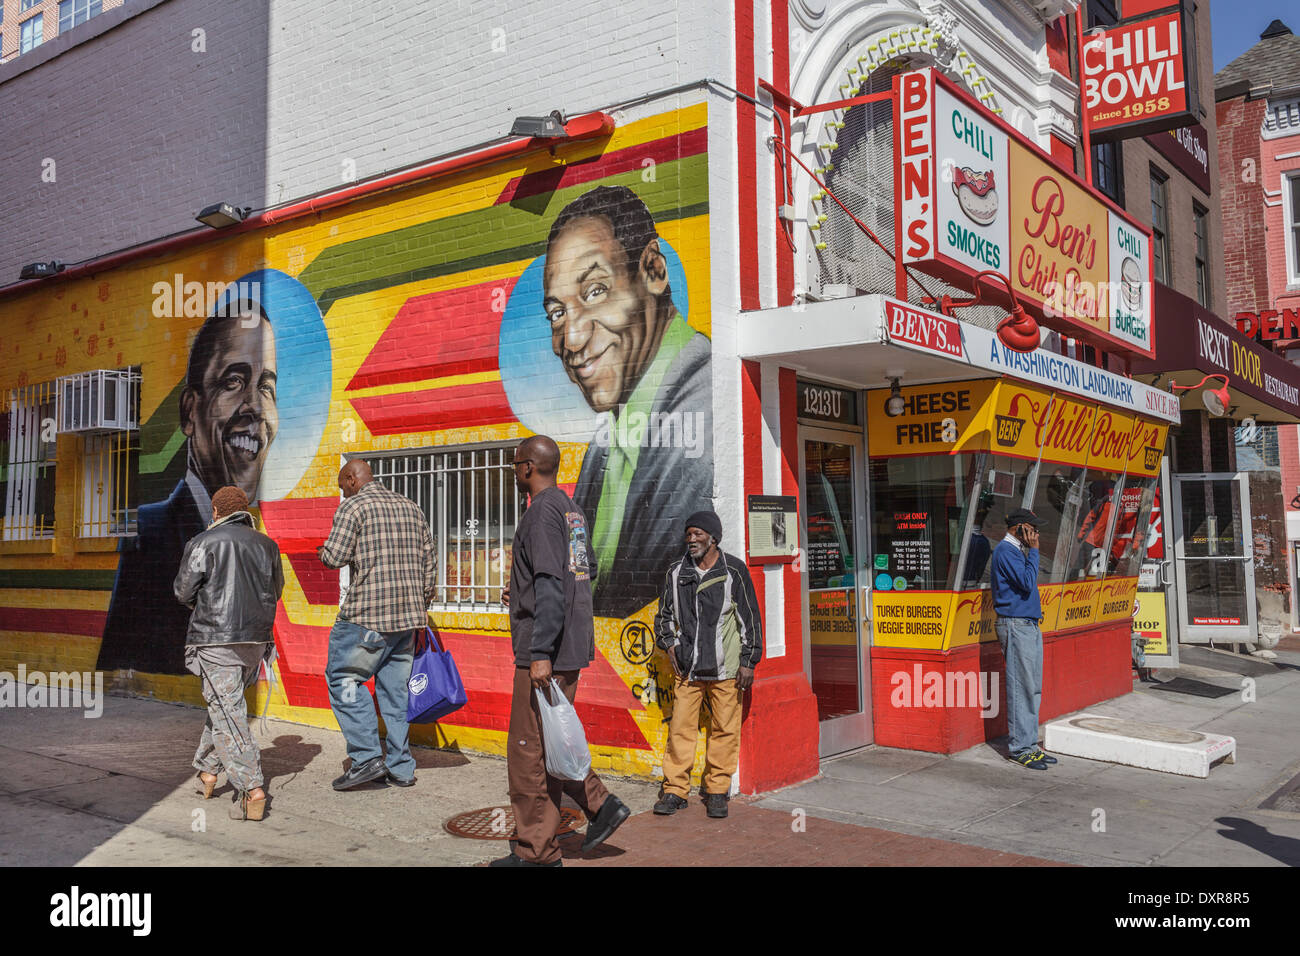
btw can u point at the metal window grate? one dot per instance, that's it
(473, 507)
(108, 489)
(30, 456)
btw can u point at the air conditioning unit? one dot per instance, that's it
(104, 400)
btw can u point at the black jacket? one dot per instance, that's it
(712, 623)
(231, 577)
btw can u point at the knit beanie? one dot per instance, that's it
(707, 522)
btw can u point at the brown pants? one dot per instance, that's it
(535, 794)
(722, 751)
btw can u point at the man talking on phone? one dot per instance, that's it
(1014, 578)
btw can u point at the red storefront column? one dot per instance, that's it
(778, 742)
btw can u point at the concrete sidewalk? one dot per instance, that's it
(118, 790)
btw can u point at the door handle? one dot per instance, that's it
(1165, 565)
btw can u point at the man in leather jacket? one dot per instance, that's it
(230, 577)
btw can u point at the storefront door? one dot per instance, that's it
(834, 532)
(1213, 554)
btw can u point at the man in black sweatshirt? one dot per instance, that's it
(554, 637)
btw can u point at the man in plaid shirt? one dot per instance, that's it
(384, 540)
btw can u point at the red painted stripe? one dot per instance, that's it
(432, 409)
(690, 143)
(299, 525)
(320, 584)
(746, 155)
(790, 442)
(453, 332)
(751, 411)
(44, 620)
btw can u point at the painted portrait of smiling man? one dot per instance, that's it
(229, 416)
(635, 359)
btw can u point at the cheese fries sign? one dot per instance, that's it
(974, 196)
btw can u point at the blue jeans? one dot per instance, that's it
(356, 654)
(1022, 646)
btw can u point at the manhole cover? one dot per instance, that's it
(498, 823)
(1138, 729)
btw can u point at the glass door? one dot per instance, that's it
(832, 493)
(1213, 553)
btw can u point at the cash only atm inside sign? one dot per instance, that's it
(974, 195)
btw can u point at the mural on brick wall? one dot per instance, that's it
(429, 329)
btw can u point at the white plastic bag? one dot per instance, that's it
(567, 756)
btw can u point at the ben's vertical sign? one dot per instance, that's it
(914, 146)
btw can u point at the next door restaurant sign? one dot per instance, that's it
(974, 196)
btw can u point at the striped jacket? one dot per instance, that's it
(711, 623)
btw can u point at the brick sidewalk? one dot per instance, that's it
(752, 836)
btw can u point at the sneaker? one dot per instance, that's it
(669, 804)
(608, 818)
(364, 772)
(1028, 758)
(1044, 756)
(717, 805)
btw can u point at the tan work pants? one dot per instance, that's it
(722, 751)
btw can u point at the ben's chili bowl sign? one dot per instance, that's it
(973, 196)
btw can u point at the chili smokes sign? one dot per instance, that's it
(975, 196)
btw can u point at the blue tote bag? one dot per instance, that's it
(435, 688)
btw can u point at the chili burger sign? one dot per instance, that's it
(975, 196)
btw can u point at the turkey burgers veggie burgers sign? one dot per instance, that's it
(974, 196)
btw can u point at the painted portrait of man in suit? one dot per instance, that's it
(635, 359)
(229, 415)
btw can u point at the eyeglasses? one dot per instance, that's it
(521, 461)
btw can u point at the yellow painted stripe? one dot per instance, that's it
(447, 381)
(64, 600)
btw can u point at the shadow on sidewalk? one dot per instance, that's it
(1283, 849)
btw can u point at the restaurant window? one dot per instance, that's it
(1088, 547)
(1160, 225)
(1132, 516)
(473, 507)
(27, 485)
(920, 516)
(1201, 220)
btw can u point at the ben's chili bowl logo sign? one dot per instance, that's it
(1060, 425)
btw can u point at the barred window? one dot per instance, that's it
(473, 507)
(27, 485)
(109, 496)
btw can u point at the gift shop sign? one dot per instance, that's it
(1135, 77)
(975, 196)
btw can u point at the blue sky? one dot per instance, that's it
(1237, 24)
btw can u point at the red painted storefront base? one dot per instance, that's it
(779, 733)
(1080, 667)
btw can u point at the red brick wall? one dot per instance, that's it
(1241, 198)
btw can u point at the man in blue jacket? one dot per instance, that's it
(1014, 578)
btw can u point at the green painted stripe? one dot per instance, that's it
(73, 580)
(433, 271)
(487, 236)
(158, 461)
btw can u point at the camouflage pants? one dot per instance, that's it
(227, 742)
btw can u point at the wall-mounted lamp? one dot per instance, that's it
(41, 270)
(1018, 331)
(1215, 399)
(894, 405)
(222, 214)
(541, 127)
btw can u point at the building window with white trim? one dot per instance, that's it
(31, 33)
(473, 507)
(73, 13)
(1201, 221)
(1291, 210)
(30, 456)
(108, 496)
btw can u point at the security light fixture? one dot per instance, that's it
(41, 270)
(222, 214)
(1215, 399)
(1018, 331)
(894, 405)
(540, 127)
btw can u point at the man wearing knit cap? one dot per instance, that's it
(709, 627)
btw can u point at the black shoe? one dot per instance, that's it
(609, 818)
(513, 860)
(669, 804)
(364, 772)
(1028, 758)
(397, 781)
(1044, 756)
(717, 805)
